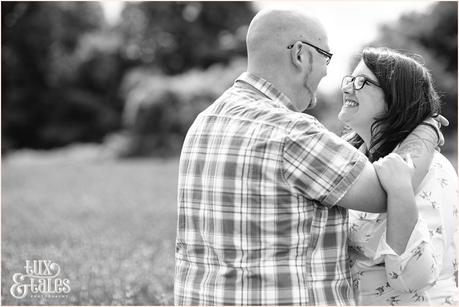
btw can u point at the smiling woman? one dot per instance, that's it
(407, 255)
(397, 96)
(363, 100)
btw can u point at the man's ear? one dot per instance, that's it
(296, 55)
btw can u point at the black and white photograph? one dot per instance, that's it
(208, 153)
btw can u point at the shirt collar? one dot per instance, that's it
(267, 89)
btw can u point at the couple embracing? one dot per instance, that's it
(274, 209)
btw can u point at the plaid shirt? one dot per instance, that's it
(257, 224)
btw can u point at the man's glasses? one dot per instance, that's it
(357, 82)
(326, 54)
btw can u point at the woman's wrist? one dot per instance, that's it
(397, 190)
(435, 128)
(402, 217)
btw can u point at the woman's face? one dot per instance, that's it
(360, 107)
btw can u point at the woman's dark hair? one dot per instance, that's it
(408, 93)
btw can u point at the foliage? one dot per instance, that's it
(63, 65)
(159, 110)
(176, 36)
(56, 87)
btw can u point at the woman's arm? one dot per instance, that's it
(420, 144)
(415, 262)
(367, 195)
(420, 265)
(395, 176)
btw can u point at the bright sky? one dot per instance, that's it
(350, 25)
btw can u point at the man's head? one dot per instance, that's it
(289, 49)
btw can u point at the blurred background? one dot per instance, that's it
(97, 98)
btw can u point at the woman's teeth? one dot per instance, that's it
(350, 103)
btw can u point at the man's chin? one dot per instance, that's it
(312, 103)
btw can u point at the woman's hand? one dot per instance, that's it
(436, 122)
(395, 173)
(441, 120)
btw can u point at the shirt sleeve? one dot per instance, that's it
(420, 265)
(320, 165)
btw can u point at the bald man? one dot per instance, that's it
(264, 189)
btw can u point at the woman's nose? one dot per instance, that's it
(347, 88)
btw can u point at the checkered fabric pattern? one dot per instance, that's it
(257, 224)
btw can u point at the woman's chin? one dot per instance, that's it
(347, 114)
(343, 117)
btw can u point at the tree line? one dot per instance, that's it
(68, 76)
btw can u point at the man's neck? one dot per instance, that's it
(281, 84)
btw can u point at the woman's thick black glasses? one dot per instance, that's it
(326, 54)
(357, 82)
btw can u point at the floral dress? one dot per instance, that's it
(426, 273)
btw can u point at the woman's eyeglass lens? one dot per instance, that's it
(358, 82)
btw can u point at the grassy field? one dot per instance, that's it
(110, 225)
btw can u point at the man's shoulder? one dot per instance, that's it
(304, 121)
(263, 109)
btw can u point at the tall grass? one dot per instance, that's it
(110, 225)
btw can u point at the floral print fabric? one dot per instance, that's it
(426, 273)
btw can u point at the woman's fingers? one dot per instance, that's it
(441, 120)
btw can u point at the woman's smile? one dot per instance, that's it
(349, 103)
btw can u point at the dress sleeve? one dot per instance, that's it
(421, 263)
(419, 266)
(320, 165)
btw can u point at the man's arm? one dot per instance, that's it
(366, 194)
